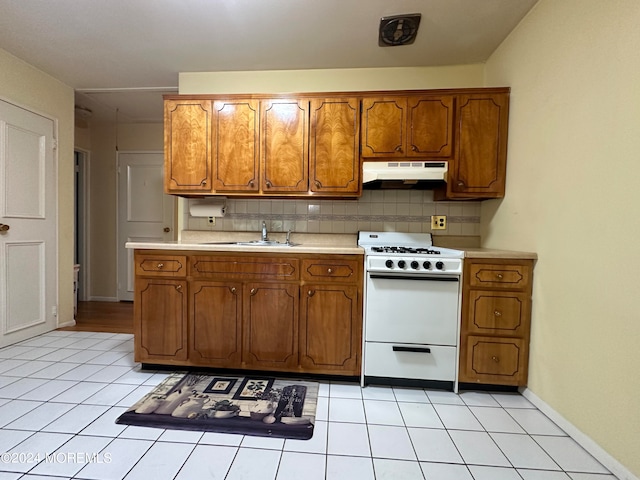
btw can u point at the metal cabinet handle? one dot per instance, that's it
(495, 359)
(253, 291)
(4, 227)
(497, 313)
(204, 182)
(461, 184)
(251, 183)
(310, 293)
(233, 290)
(268, 184)
(160, 265)
(499, 276)
(414, 148)
(399, 148)
(329, 270)
(178, 287)
(318, 184)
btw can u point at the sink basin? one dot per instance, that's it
(255, 243)
(262, 243)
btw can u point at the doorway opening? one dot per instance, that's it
(81, 223)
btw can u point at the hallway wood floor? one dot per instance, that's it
(112, 317)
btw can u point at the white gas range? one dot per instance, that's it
(411, 310)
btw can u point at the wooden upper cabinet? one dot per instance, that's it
(430, 126)
(187, 146)
(334, 161)
(418, 126)
(479, 167)
(235, 145)
(285, 146)
(384, 127)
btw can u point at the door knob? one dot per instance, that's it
(167, 229)
(4, 227)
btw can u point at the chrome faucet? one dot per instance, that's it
(264, 232)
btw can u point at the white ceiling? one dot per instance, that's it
(125, 53)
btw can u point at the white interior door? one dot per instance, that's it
(28, 231)
(145, 213)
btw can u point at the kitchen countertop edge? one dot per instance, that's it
(499, 254)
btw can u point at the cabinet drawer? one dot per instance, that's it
(437, 364)
(330, 270)
(161, 265)
(496, 275)
(249, 268)
(497, 360)
(498, 313)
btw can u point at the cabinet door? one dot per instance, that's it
(271, 325)
(215, 326)
(334, 160)
(495, 360)
(285, 146)
(235, 145)
(330, 330)
(479, 169)
(498, 313)
(430, 126)
(384, 127)
(187, 146)
(160, 318)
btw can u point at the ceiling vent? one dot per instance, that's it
(398, 29)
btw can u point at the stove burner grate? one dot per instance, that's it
(418, 250)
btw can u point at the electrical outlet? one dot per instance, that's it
(438, 222)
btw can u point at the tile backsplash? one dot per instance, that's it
(375, 210)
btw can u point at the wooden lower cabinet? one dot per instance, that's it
(496, 316)
(271, 325)
(215, 323)
(290, 313)
(330, 329)
(160, 320)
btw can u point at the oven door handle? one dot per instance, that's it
(396, 348)
(414, 277)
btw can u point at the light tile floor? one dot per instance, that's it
(61, 392)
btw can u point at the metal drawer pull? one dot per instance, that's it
(497, 313)
(233, 289)
(160, 265)
(329, 270)
(411, 349)
(499, 276)
(310, 293)
(495, 359)
(253, 291)
(178, 287)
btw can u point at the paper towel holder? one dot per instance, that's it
(208, 208)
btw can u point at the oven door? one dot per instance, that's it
(418, 309)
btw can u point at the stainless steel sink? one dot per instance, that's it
(255, 243)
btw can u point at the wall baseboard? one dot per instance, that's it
(613, 465)
(103, 299)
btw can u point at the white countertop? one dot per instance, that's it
(215, 242)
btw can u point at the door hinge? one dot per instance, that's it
(54, 311)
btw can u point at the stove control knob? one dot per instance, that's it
(426, 265)
(415, 265)
(440, 265)
(402, 264)
(389, 263)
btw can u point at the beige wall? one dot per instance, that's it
(573, 197)
(25, 85)
(105, 141)
(331, 80)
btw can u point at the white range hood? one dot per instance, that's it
(406, 171)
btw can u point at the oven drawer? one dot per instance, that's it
(382, 360)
